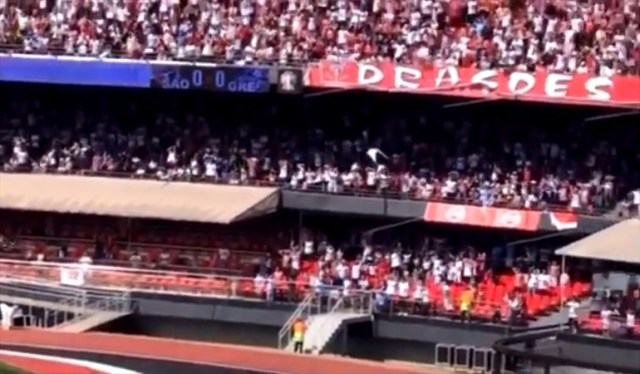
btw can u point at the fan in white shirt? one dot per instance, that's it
(439, 272)
(346, 287)
(421, 294)
(259, 283)
(85, 260)
(295, 259)
(396, 261)
(573, 306)
(468, 269)
(308, 247)
(564, 279)
(631, 320)
(355, 271)
(329, 254)
(544, 282)
(403, 288)
(391, 288)
(605, 314)
(532, 282)
(454, 273)
(270, 288)
(342, 270)
(363, 283)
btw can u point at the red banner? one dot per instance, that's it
(469, 82)
(563, 220)
(499, 218)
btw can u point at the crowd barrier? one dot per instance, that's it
(465, 358)
(131, 279)
(156, 281)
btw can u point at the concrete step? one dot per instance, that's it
(321, 328)
(88, 322)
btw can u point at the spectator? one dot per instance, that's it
(85, 261)
(606, 314)
(630, 323)
(469, 157)
(573, 306)
(600, 37)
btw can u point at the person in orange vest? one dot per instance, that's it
(466, 304)
(298, 330)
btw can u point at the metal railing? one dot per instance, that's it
(303, 309)
(60, 304)
(33, 288)
(393, 193)
(23, 242)
(117, 303)
(56, 317)
(325, 302)
(114, 280)
(120, 279)
(313, 304)
(19, 288)
(360, 302)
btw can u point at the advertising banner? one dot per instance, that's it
(91, 71)
(474, 83)
(490, 217)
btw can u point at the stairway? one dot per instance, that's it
(324, 317)
(323, 327)
(562, 315)
(89, 322)
(72, 309)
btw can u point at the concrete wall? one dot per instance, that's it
(274, 315)
(222, 310)
(437, 331)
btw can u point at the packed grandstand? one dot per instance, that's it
(575, 36)
(238, 152)
(489, 155)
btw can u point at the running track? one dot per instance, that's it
(199, 353)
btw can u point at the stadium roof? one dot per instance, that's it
(135, 198)
(619, 243)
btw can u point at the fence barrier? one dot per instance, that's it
(463, 356)
(466, 358)
(444, 354)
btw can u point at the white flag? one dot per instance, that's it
(373, 154)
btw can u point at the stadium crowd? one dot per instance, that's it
(572, 36)
(400, 147)
(428, 272)
(431, 272)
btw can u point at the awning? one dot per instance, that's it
(135, 198)
(619, 243)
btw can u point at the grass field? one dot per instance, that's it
(6, 369)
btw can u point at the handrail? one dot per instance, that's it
(144, 280)
(137, 244)
(21, 281)
(285, 330)
(336, 307)
(143, 265)
(200, 285)
(394, 194)
(57, 295)
(114, 269)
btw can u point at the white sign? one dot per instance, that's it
(72, 276)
